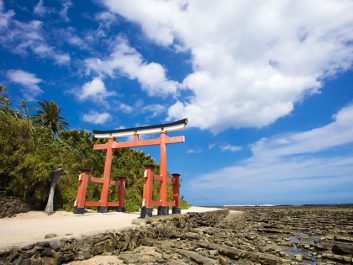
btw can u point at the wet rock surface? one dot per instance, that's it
(258, 235)
(261, 235)
(298, 235)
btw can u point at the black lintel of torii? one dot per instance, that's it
(166, 127)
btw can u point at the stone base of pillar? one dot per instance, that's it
(146, 212)
(121, 209)
(163, 210)
(176, 210)
(79, 210)
(103, 209)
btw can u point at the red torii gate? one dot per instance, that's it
(147, 203)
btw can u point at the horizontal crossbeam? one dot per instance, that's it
(137, 143)
(100, 180)
(159, 178)
(155, 204)
(96, 204)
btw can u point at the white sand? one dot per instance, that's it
(33, 226)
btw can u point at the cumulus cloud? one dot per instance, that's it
(334, 134)
(94, 90)
(28, 80)
(252, 61)
(287, 166)
(96, 117)
(128, 62)
(22, 38)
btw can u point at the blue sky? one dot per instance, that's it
(266, 86)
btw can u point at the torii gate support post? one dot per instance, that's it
(79, 206)
(121, 194)
(176, 194)
(106, 177)
(147, 209)
(163, 190)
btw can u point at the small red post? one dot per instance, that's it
(146, 209)
(163, 190)
(106, 177)
(121, 194)
(176, 193)
(79, 206)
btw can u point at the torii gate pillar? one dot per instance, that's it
(163, 190)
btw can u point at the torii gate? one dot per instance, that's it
(147, 203)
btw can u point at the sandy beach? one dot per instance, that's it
(33, 226)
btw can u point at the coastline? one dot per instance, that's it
(28, 228)
(254, 235)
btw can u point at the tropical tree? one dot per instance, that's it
(49, 115)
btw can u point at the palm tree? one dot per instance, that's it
(49, 115)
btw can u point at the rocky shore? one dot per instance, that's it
(258, 235)
(10, 206)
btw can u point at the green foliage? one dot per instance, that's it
(29, 152)
(184, 204)
(4, 100)
(49, 115)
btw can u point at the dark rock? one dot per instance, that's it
(48, 252)
(342, 248)
(196, 257)
(10, 206)
(55, 245)
(52, 235)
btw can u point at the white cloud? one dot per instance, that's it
(154, 109)
(124, 107)
(70, 35)
(106, 17)
(225, 147)
(296, 180)
(194, 151)
(139, 107)
(63, 12)
(334, 134)
(41, 10)
(96, 117)
(21, 38)
(286, 167)
(5, 17)
(252, 61)
(28, 80)
(94, 90)
(231, 148)
(128, 62)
